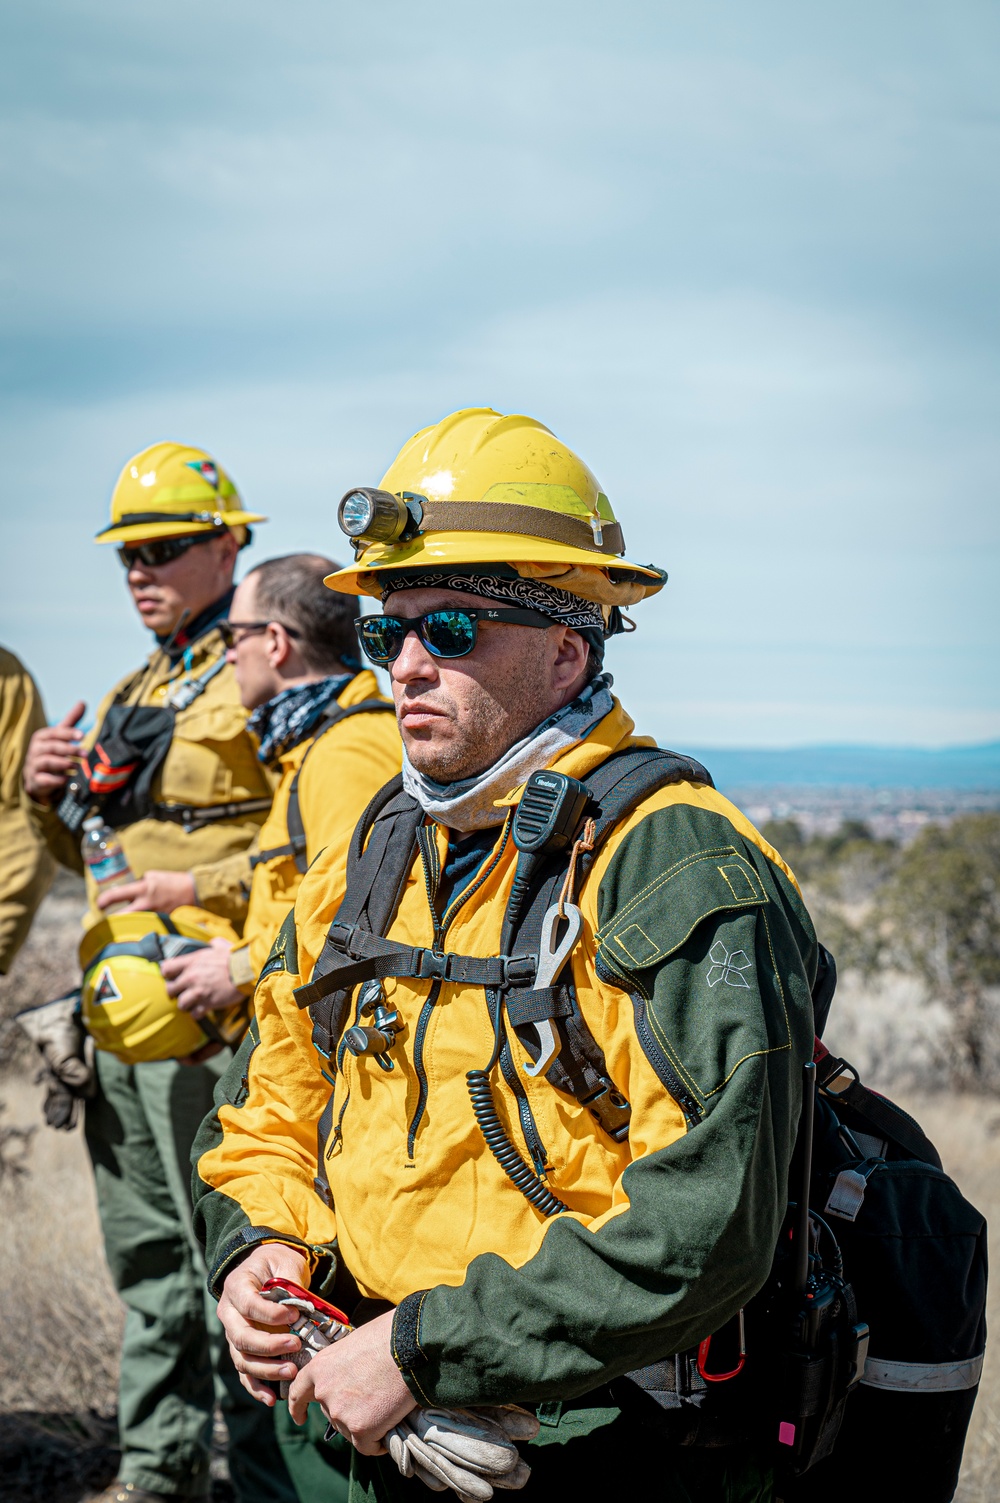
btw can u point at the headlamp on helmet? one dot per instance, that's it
(368, 515)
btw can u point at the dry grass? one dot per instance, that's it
(50, 1229)
(57, 1390)
(58, 1385)
(896, 1039)
(50, 1233)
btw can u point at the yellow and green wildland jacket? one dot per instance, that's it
(212, 760)
(695, 963)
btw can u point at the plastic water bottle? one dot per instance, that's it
(105, 859)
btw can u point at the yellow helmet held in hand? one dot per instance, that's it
(480, 488)
(173, 490)
(125, 1005)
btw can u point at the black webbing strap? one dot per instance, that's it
(889, 1120)
(376, 877)
(384, 802)
(355, 949)
(624, 780)
(194, 816)
(616, 787)
(358, 955)
(296, 844)
(539, 1004)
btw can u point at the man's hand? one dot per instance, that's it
(53, 753)
(156, 892)
(200, 980)
(256, 1329)
(358, 1385)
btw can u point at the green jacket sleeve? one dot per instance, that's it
(718, 956)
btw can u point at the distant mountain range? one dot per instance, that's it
(860, 766)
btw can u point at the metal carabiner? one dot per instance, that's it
(703, 1350)
(551, 959)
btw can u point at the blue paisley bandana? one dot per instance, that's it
(293, 715)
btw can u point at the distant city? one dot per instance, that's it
(896, 791)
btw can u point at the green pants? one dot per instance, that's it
(319, 1468)
(618, 1460)
(175, 1366)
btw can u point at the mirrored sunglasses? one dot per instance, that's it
(445, 634)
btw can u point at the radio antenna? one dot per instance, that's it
(800, 1238)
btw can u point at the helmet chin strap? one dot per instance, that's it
(185, 615)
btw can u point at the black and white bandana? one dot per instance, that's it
(292, 715)
(530, 594)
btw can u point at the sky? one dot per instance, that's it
(741, 255)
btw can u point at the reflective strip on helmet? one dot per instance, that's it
(923, 1377)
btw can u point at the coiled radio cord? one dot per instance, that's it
(484, 1109)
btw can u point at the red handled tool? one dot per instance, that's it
(317, 1325)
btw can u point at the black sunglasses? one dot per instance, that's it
(446, 634)
(162, 550)
(228, 629)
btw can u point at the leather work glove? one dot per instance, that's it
(57, 1030)
(472, 1451)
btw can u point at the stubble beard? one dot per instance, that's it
(480, 730)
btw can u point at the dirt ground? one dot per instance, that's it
(57, 1385)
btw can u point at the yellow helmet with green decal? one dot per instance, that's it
(481, 488)
(173, 490)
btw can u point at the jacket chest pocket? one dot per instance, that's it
(210, 758)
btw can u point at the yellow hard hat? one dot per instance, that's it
(125, 1005)
(171, 490)
(481, 488)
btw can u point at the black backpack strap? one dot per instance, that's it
(296, 844)
(624, 780)
(616, 787)
(823, 988)
(379, 860)
(196, 816)
(839, 1081)
(376, 876)
(378, 805)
